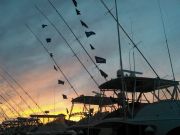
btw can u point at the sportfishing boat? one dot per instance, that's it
(140, 113)
(145, 105)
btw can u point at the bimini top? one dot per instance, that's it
(142, 84)
(94, 100)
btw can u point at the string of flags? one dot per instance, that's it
(88, 34)
(48, 40)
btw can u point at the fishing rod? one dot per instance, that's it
(7, 81)
(61, 35)
(77, 39)
(127, 35)
(54, 61)
(18, 84)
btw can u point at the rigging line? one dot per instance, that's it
(16, 92)
(6, 116)
(54, 61)
(15, 103)
(10, 108)
(18, 84)
(9, 97)
(61, 35)
(167, 45)
(65, 76)
(10, 105)
(77, 39)
(130, 38)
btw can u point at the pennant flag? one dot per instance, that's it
(67, 111)
(64, 96)
(89, 33)
(92, 47)
(60, 82)
(48, 40)
(55, 68)
(74, 2)
(78, 12)
(100, 60)
(83, 24)
(43, 25)
(51, 55)
(103, 73)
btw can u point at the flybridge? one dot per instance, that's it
(95, 100)
(138, 84)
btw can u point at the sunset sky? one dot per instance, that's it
(23, 57)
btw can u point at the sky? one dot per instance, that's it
(23, 57)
